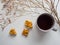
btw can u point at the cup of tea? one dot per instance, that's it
(45, 22)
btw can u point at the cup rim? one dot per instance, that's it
(47, 29)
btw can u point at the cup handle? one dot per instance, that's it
(54, 29)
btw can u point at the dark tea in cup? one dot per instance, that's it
(45, 21)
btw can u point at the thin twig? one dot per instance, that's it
(57, 4)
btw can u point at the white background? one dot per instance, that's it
(35, 36)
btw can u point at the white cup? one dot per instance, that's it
(51, 26)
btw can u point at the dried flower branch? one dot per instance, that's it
(52, 8)
(11, 7)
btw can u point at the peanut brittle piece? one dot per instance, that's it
(25, 32)
(12, 32)
(28, 23)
